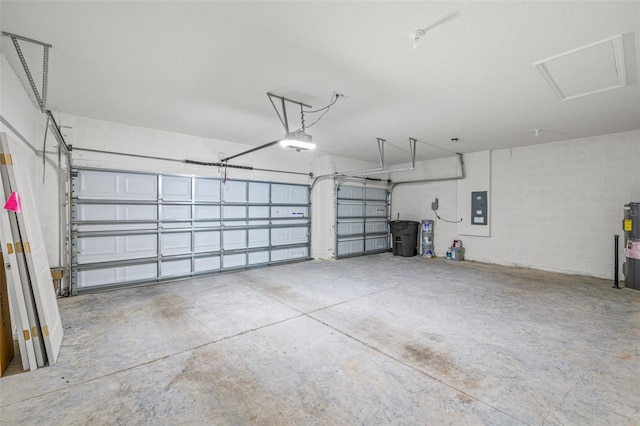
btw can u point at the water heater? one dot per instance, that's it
(631, 227)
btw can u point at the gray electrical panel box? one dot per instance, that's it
(479, 208)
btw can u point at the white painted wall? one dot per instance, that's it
(553, 206)
(413, 201)
(18, 109)
(87, 133)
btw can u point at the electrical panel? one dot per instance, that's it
(479, 208)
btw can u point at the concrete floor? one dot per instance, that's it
(370, 340)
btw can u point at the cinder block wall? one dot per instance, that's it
(553, 206)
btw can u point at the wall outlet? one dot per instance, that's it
(434, 205)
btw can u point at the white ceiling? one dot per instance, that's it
(203, 68)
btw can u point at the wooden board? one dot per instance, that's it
(35, 253)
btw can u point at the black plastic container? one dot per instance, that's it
(404, 236)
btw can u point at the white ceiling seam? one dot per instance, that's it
(587, 70)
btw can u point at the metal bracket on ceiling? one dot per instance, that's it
(283, 119)
(283, 116)
(381, 151)
(42, 100)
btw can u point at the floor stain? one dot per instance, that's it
(441, 363)
(278, 290)
(465, 399)
(171, 306)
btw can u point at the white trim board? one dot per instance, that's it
(17, 299)
(34, 249)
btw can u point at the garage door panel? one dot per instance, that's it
(350, 210)
(95, 184)
(375, 194)
(123, 274)
(285, 236)
(206, 264)
(178, 243)
(112, 248)
(348, 247)
(258, 257)
(206, 241)
(376, 209)
(234, 212)
(289, 194)
(351, 192)
(376, 226)
(207, 212)
(292, 212)
(234, 260)
(176, 188)
(141, 187)
(207, 189)
(259, 192)
(112, 212)
(258, 238)
(176, 212)
(351, 227)
(376, 243)
(258, 212)
(282, 255)
(235, 191)
(115, 186)
(176, 267)
(234, 239)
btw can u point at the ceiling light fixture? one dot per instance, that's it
(299, 141)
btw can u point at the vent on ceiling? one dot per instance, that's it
(590, 69)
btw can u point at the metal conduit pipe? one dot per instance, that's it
(340, 176)
(376, 170)
(393, 185)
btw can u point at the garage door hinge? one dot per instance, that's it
(10, 248)
(27, 335)
(27, 248)
(34, 331)
(45, 331)
(18, 247)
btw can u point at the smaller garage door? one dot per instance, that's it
(362, 220)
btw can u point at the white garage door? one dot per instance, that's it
(130, 228)
(362, 220)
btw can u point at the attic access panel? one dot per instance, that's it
(587, 70)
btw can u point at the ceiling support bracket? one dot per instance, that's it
(42, 100)
(281, 116)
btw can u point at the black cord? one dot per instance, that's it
(324, 110)
(321, 115)
(445, 220)
(333, 101)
